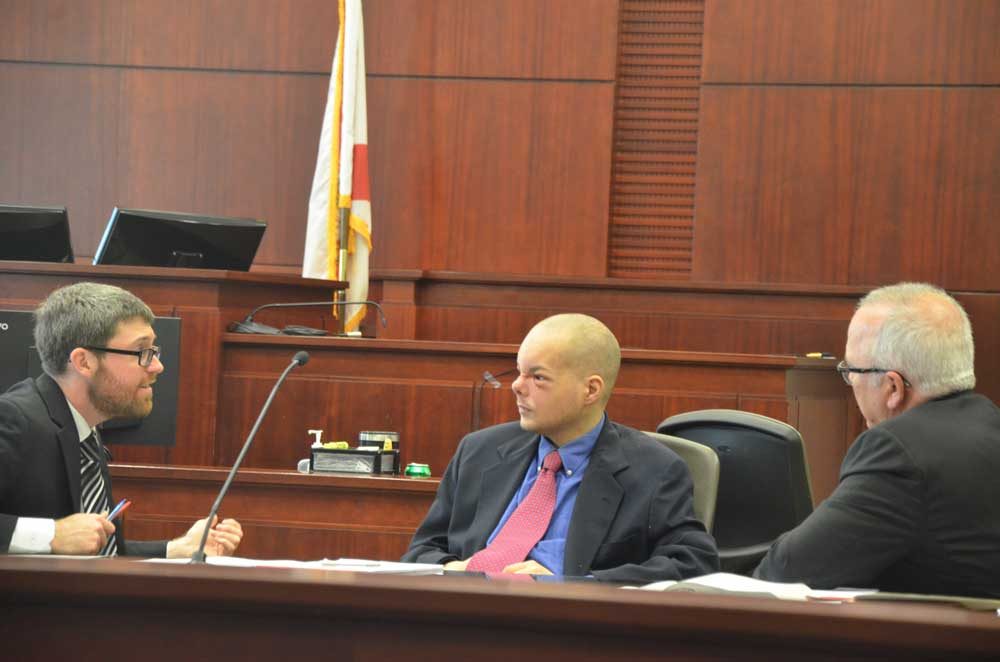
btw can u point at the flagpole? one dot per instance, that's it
(338, 228)
(343, 227)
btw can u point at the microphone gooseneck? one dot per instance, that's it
(477, 394)
(300, 358)
(248, 325)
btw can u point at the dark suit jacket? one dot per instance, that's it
(40, 462)
(633, 520)
(917, 509)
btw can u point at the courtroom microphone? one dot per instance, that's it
(300, 358)
(249, 326)
(477, 393)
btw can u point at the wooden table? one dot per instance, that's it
(90, 609)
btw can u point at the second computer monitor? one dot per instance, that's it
(149, 238)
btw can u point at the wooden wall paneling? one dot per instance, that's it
(62, 31)
(824, 412)
(209, 143)
(58, 126)
(477, 175)
(939, 42)
(285, 515)
(654, 315)
(426, 390)
(984, 314)
(225, 144)
(569, 39)
(428, 415)
(848, 185)
(777, 408)
(662, 330)
(220, 106)
(656, 138)
(255, 35)
(396, 291)
(645, 409)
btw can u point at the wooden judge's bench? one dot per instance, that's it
(430, 391)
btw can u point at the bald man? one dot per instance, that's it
(917, 508)
(622, 501)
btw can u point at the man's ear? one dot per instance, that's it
(83, 361)
(896, 396)
(595, 389)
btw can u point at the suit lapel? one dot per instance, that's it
(498, 484)
(69, 440)
(596, 503)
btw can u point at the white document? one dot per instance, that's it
(350, 565)
(724, 582)
(383, 567)
(241, 562)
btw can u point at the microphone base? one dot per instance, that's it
(253, 327)
(291, 330)
(296, 330)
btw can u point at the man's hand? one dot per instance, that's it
(223, 539)
(82, 533)
(458, 566)
(527, 568)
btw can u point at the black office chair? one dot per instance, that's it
(763, 479)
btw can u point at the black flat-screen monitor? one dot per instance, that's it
(35, 234)
(148, 238)
(19, 360)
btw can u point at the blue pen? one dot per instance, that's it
(122, 505)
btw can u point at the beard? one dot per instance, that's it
(116, 400)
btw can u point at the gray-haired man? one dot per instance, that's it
(917, 508)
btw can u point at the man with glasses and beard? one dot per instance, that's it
(96, 344)
(917, 508)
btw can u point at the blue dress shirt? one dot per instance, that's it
(575, 457)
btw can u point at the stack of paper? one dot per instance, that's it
(724, 582)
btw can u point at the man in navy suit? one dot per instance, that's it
(96, 343)
(623, 509)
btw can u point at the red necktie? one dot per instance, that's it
(526, 525)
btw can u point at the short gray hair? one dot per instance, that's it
(79, 315)
(926, 336)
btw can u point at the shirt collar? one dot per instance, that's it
(82, 428)
(576, 454)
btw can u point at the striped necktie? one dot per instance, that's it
(526, 525)
(93, 493)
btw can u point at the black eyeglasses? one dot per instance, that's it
(845, 371)
(145, 356)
